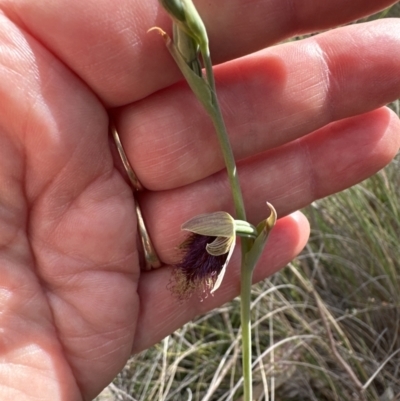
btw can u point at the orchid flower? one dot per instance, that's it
(207, 252)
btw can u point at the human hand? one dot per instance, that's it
(74, 304)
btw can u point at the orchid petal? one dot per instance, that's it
(218, 281)
(220, 246)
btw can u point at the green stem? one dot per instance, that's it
(246, 243)
(229, 160)
(222, 135)
(245, 303)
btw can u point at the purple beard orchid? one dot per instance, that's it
(207, 252)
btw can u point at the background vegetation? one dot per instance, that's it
(327, 327)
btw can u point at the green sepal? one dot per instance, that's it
(217, 224)
(264, 229)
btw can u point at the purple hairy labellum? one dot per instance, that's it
(198, 270)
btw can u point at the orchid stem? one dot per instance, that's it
(229, 159)
(246, 243)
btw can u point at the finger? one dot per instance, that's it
(268, 99)
(162, 313)
(290, 177)
(125, 63)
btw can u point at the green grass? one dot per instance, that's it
(327, 327)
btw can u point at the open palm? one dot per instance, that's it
(73, 302)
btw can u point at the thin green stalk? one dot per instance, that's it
(245, 303)
(229, 159)
(246, 271)
(246, 243)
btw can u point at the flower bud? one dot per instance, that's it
(174, 8)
